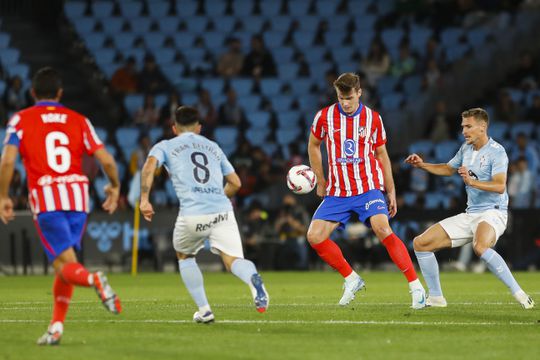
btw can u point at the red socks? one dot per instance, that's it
(400, 256)
(75, 274)
(332, 255)
(62, 292)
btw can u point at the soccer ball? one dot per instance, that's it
(301, 179)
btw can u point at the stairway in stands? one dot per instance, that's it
(46, 44)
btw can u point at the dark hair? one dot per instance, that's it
(347, 82)
(187, 115)
(477, 114)
(46, 83)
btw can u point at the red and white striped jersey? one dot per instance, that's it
(52, 140)
(351, 141)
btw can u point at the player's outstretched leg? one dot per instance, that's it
(62, 293)
(193, 280)
(246, 271)
(499, 268)
(106, 294)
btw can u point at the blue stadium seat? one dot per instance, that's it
(298, 7)
(2, 129)
(160, 100)
(347, 66)
(270, 8)
(362, 40)
(274, 39)
(189, 98)
(21, 70)
(164, 55)
(437, 200)
(140, 25)
(104, 55)
(303, 39)
(108, 69)
(250, 103)
(326, 8)
(409, 198)
(102, 9)
(174, 72)
(168, 25)
(259, 119)
(308, 103)
(387, 84)
(446, 150)
(158, 9)
(456, 52)
(123, 41)
(365, 22)
(184, 40)
(137, 53)
(315, 54)
(283, 53)
(450, 36)
(112, 25)
(187, 8)
(132, 103)
(258, 135)
(127, 136)
(334, 39)
(196, 24)
(301, 86)
(226, 135)
(215, 8)
(214, 40)
(477, 37)
(4, 40)
(516, 95)
(287, 70)
(225, 24)
(214, 86)
(99, 184)
(242, 86)
(154, 40)
(285, 137)
(309, 24)
(74, 9)
(84, 25)
(281, 23)
(155, 133)
(130, 9)
(526, 128)
(392, 37)
(392, 101)
(242, 8)
(9, 57)
(111, 149)
(419, 36)
(412, 85)
(288, 119)
(101, 133)
(94, 41)
(271, 87)
(194, 56)
(498, 130)
(343, 53)
(282, 102)
(424, 147)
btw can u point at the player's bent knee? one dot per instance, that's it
(421, 243)
(315, 237)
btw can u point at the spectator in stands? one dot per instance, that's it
(291, 226)
(230, 112)
(138, 156)
(125, 79)
(231, 62)
(207, 112)
(433, 52)
(254, 225)
(377, 61)
(505, 108)
(441, 127)
(432, 75)
(523, 148)
(249, 181)
(15, 97)
(166, 114)
(242, 155)
(148, 115)
(533, 113)
(526, 68)
(151, 78)
(521, 185)
(259, 61)
(406, 63)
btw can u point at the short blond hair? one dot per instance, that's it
(347, 82)
(477, 114)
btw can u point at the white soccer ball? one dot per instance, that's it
(301, 179)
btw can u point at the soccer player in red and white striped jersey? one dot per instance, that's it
(52, 140)
(358, 173)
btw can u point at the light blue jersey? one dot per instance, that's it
(490, 160)
(196, 166)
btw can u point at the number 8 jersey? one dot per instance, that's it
(52, 140)
(196, 167)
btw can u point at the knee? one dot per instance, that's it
(422, 243)
(479, 248)
(382, 231)
(315, 237)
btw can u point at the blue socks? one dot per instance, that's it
(498, 267)
(430, 269)
(243, 269)
(193, 280)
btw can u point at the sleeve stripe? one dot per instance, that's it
(95, 137)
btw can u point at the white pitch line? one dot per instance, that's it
(285, 322)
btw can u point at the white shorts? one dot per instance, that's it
(462, 227)
(221, 229)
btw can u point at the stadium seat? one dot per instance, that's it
(288, 120)
(214, 9)
(249, 103)
(344, 53)
(283, 53)
(214, 86)
(3, 86)
(274, 39)
(424, 147)
(104, 55)
(168, 25)
(419, 36)
(451, 36)
(456, 52)
(84, 25)
(130, 9)
(226, 135)
(526, 128)
(298, 8)
(498, 130)
(303, 39)
(196, 24)
(74, 9)
(362, 40)
(392, 37)
(133, 102)
(4, 40)
(300, 86)
(412, 85)
(281, 23)
(194, 56)
(101, 133)
(183, 40)
(242, 86)
(171, 193)
(309, 24)
(271, 87)
(258, 135)
(287, 70)
(334, 39)
(242, 8)
(140, 25)
(21, 70)
(225, 25)
(124, 41)
(445, 150)
(99, 184)
(282, 102)
(155, 133)
(102, 9)
(516, 95)
(285, 137)
(308, 103)
(137, 53)
(258, 119)
(158, 9)
(108, 68)
(127, 137)
(270, 8)
(529, 97)
(9, 57)
(347, 66)
(94, 41)
(392, 101)
(164, 55)
(154, 40)
(477, 37)
(214, 40)
(409, 198)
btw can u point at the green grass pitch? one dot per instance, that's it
(482, 320)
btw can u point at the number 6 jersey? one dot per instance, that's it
(196, 167)
(52, 140)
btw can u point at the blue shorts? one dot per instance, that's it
(340, 209)
(60, 230)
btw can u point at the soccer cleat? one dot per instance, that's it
(349, 289)
(525, 300)
(53, 334)
(106, 294)
(206, 318)
(436, 301)
(418, 298)
(261, 299)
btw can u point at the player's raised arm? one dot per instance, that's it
(147, 178)
(382, 155)
(112, 189)
(233, 184)
(435, 169)
(315, 161)
(7, 164)
(497, 183)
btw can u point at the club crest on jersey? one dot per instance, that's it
(350, 147)
(483, 161)
(362, 131)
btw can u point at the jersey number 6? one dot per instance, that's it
(58, 155)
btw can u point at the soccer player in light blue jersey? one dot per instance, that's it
(482, 163)
(197, 167)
